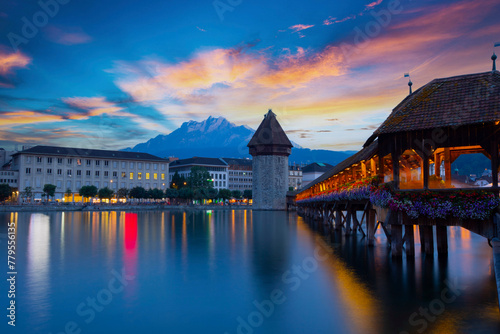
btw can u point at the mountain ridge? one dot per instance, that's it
(217, 137)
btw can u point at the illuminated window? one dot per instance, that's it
(131, 176)
(139, 176)
(147, 176)
(79, 162)
(162, 176)
(124, 175)
(155, 176)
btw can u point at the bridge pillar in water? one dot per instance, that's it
(409, 240)
(370, 226)
(426, 239)
(442, 239)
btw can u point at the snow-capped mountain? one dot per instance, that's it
(217, 137)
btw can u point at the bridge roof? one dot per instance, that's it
(365, 154)
(454, 101)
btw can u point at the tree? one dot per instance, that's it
(155, 193)
(137, 192)
(199, 177)
(211, 193)
(178, 181)
(68, 192)
(186, 193)
(224, 194)
(49, 190)
(247, 193)
(171, 193)
(5, 191)
(236, 194)
(105, 193)
(88, 191)
(122, 193)
(27, 193)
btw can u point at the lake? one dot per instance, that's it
(236, 271)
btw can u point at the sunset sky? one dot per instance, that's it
(111, 74)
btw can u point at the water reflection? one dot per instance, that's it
(203, 271)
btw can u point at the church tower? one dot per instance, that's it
(270, 148)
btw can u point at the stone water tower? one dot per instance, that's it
(270, 148)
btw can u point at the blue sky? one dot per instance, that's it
(111, 74)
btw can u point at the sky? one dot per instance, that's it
(112, 74)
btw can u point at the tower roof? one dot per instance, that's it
(270, 139)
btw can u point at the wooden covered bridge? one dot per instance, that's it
(402, 179)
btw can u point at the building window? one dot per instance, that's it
(59, 172)
(139, 176)
(49, 171)
(115, 174)
(106, 163)
(39, 171)
(155, 176)
(123, 164)
(139, 165)
(69, 172)
(68, 185)
(162, 167)
(78, 173)
(155, 166)
(89, 162)
(97, 173)
(39, 160)
(106, 173)
(78, 185)
(131, 176)
(59, 184)
(163, 176)
(28, 160)
(59, 161)
(147, 166)
(87, 173)
(98, 162)
(147, 176)
(97, 184)
(70, 161)
(124, 175)
(115, 164)
(79, 162)
(49, 160)
(131, 165)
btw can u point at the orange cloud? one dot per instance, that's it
(94, 106)
(26, 117)
(9, 61)
(300, 27)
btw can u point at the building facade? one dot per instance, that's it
(71, 168)
(312, 171)
(240, 174)
(294, 177)
(270, 148)
(217, 168)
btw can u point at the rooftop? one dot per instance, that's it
(198, 161)
(316, 167)
(89, 153)
(454, 101)
(236, 161)
(269, 133)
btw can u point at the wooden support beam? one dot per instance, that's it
(356, 224)
(348, 220)
(437, 164)
(442, 239)
(396, 240)
(426, 239)
(409, 240)
(494, 162)
(425, 169)
(370, 226)
(338, 219)
(447, 167)
(363, 169)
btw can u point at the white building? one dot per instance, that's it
(239, 173)
(72, 168)
(217, 168)
(294, 176)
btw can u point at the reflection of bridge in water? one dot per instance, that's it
(401, 180)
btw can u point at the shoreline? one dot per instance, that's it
(93, 208)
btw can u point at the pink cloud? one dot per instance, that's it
(333, 20)
(300, 27)
(67, 35)
(373, 4)
(200, 29)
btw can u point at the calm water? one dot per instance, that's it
(236, 272)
